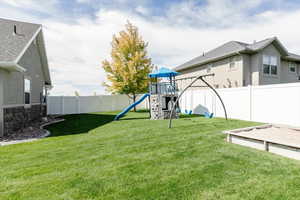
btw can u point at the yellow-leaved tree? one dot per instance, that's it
(127, 73)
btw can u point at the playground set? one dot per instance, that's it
(164, 95)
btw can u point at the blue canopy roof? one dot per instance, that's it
(163, 72)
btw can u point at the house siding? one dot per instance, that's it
(283, 76)
(248, 71)
(246, 62)
(265, 79)
(286, 75)
(31, 61)
(14, 81)
(233, 78)
(14, 115)
(256, 61)
(13, 88)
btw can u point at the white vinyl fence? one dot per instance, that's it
(279, 103)
(87, 104)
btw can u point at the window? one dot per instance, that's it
(27, 90)
(266, 69)
(292, 67)
(273, 69)
(231, 62)
(270, 65)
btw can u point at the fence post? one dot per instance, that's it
(78, 105)
(112, 100)
(214, 109)
(192, 100)
(62, 105)
(250, 101)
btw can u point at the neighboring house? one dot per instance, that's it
(237, 64)
(24, 75)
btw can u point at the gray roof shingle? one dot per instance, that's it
(260, 44)
(235, 47)
(293, 56)
(225, 49)
(12, 45)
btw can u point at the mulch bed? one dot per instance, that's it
(31, 132)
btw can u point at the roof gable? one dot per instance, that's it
(257, 46)
(15, 39)
(41, 53)
(13, 45)
(235, 47)
(226, 49)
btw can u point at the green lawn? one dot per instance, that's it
(90, 156)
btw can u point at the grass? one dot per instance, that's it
(90, 157)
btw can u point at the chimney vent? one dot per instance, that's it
(16, 32)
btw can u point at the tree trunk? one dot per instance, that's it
(134, 98)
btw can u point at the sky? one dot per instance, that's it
(78, 33)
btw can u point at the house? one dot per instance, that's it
(237, 64)
(24, 75)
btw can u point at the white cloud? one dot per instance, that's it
(213, 13)
(142, 10)
(83, 1)
(47, 6)
(169, 46)
(76, 50)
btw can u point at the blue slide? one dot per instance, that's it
(126, 110)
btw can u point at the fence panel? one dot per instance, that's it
(87, 104)
(278, 103)
(203, 102)
(70, 105)
(54, 105)
(237, 103)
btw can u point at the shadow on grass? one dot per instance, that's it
(79, 123)
(183, 116)
(142, 111)
(134, 118)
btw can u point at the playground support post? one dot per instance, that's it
(211, 87)
(149, 100)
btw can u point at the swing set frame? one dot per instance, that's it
(201, 77)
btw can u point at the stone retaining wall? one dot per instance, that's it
(16, 118)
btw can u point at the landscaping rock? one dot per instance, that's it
(27, 134)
